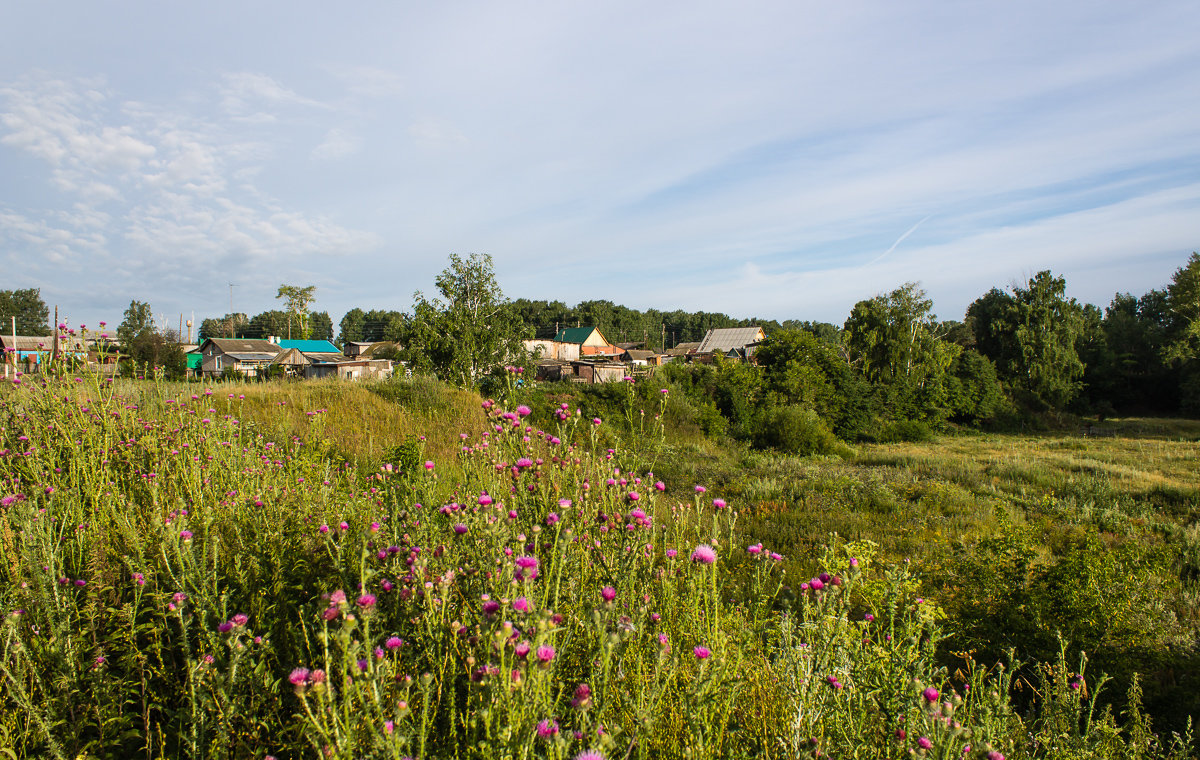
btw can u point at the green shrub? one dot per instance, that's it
(796, 430)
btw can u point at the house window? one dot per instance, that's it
(218, 365)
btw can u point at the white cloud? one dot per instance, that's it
(338, 143)
(155, 198)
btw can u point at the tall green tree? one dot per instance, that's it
(228, 326)
(893, 341)
(470, 330)
(801, 369)
(1033, 336)
(138, 319)
(1183, 311)
(297, 300)
(151, 349)
(33, 318)
(320, 326)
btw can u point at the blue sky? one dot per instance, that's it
(772, 159)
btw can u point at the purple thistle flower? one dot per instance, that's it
(225, 627)
(298, 677)
(583, 695)
(608, 593)
(704, 555)
(545, 653)
(931, 694)
(719, 503)
(547, 728)
(521, 604)
(460, 529)
(366, 601)
(393, 643)
(591, 754)
(701, 652)
(924, 743)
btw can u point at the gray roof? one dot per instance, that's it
(683, 348)
(728, 338)
(39, 343)
(243, 346)
(325, 358)
(292, 357)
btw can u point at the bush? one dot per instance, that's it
(907, 431)
(796, 430)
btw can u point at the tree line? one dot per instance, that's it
(1028, 349)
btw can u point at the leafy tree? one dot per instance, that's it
(321, 326)
(273, 323)
(33, 318)
(1183, 307)
(1032, 337)
(138, 319)
(469, 330)
(894, 342)
(974, 391)
(297, 300)
(152, 348)
(351, 327)
(228, 326)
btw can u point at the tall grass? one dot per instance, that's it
(193, 572)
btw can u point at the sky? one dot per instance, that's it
(781, 160)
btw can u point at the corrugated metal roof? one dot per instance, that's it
(310, 346)
(574, 334)
(251, 356)
(243, 345)
(727, 338)
(327, 358)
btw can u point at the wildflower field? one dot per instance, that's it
(250, 571)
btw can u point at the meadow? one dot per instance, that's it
(406, 570)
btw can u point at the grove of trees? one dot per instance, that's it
(33, 318)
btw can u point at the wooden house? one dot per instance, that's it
(249, 357)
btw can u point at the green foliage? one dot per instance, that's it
(138, 320)
(796, 430)
(152, 349)
(472, 331)
(974, 394)
(1031, 336)
(33, 317)
(371, 326)
(298, 299)
(1183, 312)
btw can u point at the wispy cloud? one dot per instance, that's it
(154, 196)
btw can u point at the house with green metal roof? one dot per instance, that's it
(590, 340)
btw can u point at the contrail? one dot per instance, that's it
(899, 240)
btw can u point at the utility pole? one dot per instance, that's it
(54, 353)
(231, 309)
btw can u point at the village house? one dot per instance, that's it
(730, 342)
(590, 340)
(23, 353)
(249, 357)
